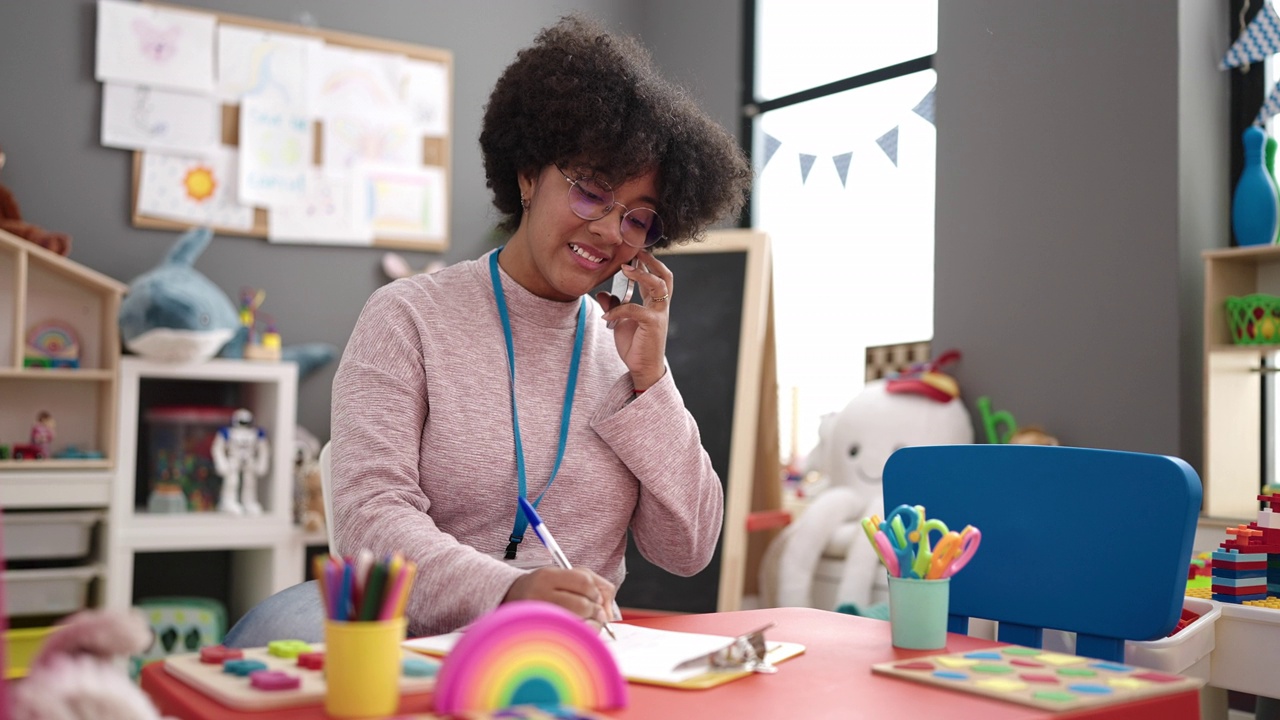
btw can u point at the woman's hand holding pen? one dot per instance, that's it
(580, 591)
(640, 332)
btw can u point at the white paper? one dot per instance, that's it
(266, 65)
(399, 202)
(324, 216)
(136, 117)
(348, 79)
(386, 138)
(195, 190)
(145, 45)
(275, 153)
(426, 93)
(643, 653)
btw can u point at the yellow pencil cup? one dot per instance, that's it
(362, 667)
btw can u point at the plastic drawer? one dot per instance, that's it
(54, 591)
(48, 535)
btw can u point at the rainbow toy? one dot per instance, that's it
(52, 344)
(529, 653)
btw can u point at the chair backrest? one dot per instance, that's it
(326, 486)
(1097, 542)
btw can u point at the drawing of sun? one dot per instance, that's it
(200, 183)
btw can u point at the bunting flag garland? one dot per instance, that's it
(842, 166)
(924, 108)
(1270, 108)
(806, 164)
(771, 145)
(1260, 40)
(889, 143)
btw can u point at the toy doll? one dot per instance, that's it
(42, 433)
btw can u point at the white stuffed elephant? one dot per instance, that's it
(853, 447)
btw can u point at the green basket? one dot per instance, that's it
(1254, 319)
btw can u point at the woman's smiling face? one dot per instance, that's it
(561, 256)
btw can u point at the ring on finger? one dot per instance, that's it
(662, 299)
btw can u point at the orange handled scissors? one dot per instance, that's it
(953, 552)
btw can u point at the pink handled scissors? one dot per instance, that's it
(953, 552)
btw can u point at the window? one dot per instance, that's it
(844, 147)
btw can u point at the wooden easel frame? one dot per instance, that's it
(435, 150)
(750, 469)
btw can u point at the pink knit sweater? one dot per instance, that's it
(423, 457)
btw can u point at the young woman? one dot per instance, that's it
(462, 390)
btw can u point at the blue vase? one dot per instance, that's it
(1255, 207)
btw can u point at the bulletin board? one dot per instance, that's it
(435, 147)
(721, 355)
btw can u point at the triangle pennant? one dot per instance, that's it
(771, 145)
(1270, 108)
(842, 165)
(889, 143)
(1260, 39)
(806, 164)
(925, 107)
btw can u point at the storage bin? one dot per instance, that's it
(1247, 639)
(48, 535)
(1254, 319)
(21, 646)
(180, 439)
(53, 591)
(1186, 653)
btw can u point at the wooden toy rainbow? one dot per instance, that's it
(529, 653)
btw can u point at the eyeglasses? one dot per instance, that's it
(592, 199)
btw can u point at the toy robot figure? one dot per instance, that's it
(240, 455)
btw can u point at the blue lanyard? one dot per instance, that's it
(517, 533)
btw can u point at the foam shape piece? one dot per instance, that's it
(529, 652)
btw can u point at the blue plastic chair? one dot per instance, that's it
(1097, 542)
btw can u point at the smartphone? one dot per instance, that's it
(624, 288)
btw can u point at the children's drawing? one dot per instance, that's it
(137, 117)
(324, 215)
(275, 153)
(346, 79)
(265, 65)
(196, 190)
(426, 93)
(388, 138)
(146, 45)
(402, 202)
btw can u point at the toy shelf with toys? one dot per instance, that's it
(1241, 329)
(166, 498)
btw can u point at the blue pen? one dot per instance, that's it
(557, 555)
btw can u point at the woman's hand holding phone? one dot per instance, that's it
(640, 331)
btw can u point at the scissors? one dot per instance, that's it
(880, 541)
(899, 527)
(954, 551)
(924, 553)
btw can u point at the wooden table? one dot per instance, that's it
(832, 679)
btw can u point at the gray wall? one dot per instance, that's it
(65, 180)
(1071, 209)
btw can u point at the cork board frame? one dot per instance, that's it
(435, 150)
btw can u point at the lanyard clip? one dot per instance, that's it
(513, 546)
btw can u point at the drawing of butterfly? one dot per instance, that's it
(156, 44)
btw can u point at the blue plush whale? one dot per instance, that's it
(173, 313)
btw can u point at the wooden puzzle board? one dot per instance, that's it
(1046, 680)
(236, 692)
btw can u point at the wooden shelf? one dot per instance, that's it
(59, 375)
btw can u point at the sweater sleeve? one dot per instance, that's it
(380, 403)
(677, 520)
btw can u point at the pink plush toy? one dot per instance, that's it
(78, 676)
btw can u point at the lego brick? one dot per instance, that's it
(1242, 573)
(1237, 599)
(1238, 566)
(1250, 582)
(1231, 556)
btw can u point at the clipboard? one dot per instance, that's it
(650, 656)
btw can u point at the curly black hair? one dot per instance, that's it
(583, 95)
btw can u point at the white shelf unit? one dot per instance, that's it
(267, 554)
(1233, 383)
